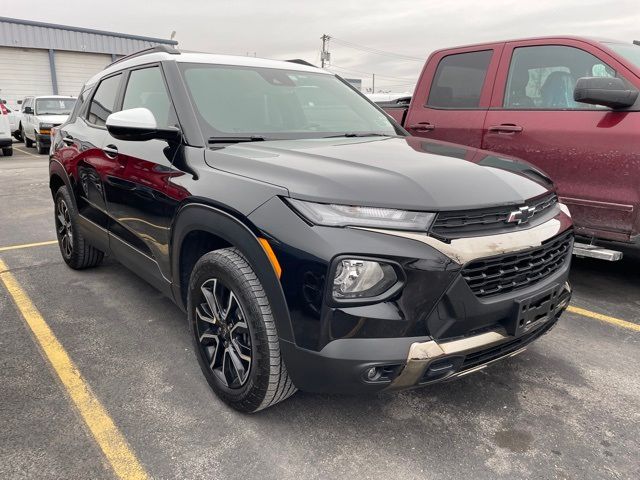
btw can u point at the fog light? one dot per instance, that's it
(355, 278)
(373, 374)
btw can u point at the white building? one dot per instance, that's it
(46, 59)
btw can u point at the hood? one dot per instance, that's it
(396, 172)
(55, 119)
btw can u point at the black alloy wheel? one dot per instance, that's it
(223, 333)
(64, 228)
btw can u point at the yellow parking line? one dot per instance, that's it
(27, 245)
(604, 318)
(28, 153)
(114, 446)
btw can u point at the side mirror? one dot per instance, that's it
(607, 91)
(137, 125)
(28, 110)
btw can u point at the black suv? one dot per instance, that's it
(312, 243)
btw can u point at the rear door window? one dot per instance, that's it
(104, 101)
(458, 81)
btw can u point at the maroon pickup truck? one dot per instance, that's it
(567, 105)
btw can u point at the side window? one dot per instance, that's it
(544, 77)
(82, 98)
(459, 79)
(104, 101)
(146, 89)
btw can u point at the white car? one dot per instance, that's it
(6, 142)
(40, 115)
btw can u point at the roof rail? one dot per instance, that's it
(157, 48)
(301, 62)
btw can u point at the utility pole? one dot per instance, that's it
(325, 56)
(373, 84)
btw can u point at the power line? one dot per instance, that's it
(376, 50)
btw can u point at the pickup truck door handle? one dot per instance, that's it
(422, 127)
(110, 151)
(506, 128)
(68, 140)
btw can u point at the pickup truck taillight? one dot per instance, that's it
(3, 109)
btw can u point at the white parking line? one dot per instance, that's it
(25, 152)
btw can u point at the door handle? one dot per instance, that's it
(506, 128)
(422, 127)
(68, 140)
(110, 151)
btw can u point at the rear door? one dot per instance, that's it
(136, 188)
(452, 97)
(591, 152)
(81, 154)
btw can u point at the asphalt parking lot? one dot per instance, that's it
(569, 407)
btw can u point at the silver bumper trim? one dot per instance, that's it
(464, 250)
(421, 354)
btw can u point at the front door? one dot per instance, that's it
(141, 201)
(590, 152)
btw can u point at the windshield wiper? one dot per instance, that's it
(358, 135)
(252, 138)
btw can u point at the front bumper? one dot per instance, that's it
(407, 336)
(342, 366)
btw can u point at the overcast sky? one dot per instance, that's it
(284, 29)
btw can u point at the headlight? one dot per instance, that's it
(46, 126)
(332, 215)
(357, 278)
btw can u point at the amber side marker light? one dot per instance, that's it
(271, 255)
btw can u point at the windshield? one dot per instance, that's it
(278, 104)
(629, 51)
(54, 106)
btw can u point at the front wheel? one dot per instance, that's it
(41, 148)
(27, 141)
(235, 334)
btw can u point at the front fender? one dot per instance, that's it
(200, 217)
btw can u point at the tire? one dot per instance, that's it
(7, 152)
(27, 142)
(41, 149)
(242, 331)
(18, 134)
(75, 250)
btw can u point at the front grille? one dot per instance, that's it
(508, 272)
(484, 356)
(449, 225)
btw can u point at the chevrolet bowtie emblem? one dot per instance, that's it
(522, 215)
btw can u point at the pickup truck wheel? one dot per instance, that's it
(40, 148)
(76, 251)
(7, 152)
(27, 141)
(234, 333)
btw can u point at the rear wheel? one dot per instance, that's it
(234, 333)
(75, 250)
(7, 151)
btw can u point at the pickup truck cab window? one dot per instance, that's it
(459, 79)
(104, 100)
(544, 77)
(146, 89)
(278, 104)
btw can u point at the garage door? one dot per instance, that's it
(73, 69)
(24, 72)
